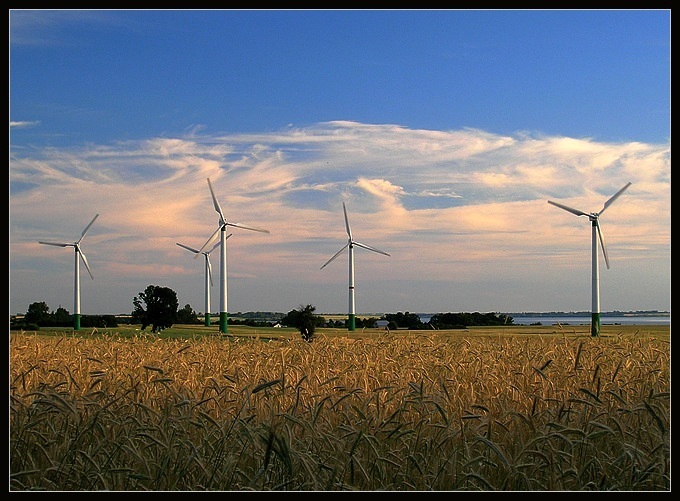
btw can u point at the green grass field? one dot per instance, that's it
(181, 331)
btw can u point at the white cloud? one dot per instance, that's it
(452, 207)
(23, 124)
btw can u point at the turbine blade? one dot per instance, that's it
(349, 231)
(55, 243)
(616, 195)
(602, 244)
(87, 229)
(569, 209)
(188, 248)
(210, 241)
(368, 247)
(244, 227)
(216, 204)
(217, 244)
(336, 255)
(84, 259)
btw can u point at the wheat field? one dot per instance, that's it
(415, 411)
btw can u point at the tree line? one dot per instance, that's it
(158, 307)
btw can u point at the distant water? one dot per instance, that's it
(576, 320)
(627, 320)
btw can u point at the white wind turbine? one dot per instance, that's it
(221, 231)
(208, 275)
(76, 282)
(350, 245)
(594, 218)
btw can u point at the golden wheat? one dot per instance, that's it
(390, 412)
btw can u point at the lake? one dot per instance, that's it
(582, 320)
(604, 320)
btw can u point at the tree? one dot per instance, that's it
(61, 317)
(405, 320)
(304, 320)
(161, 308)
(38, 314)
(462, 320)
(187, 315)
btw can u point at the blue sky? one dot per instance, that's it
(444, 131)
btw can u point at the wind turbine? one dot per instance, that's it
(208, 276)
(221, 232)
(594, 218)
(76, 283)
(351, 243)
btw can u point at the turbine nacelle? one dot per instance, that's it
(223, 223)
(594, 217)
(206, 254)
(76, 245)
(351, 243)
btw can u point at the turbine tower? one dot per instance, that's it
(76, 281)
(208, 276)
(221, 232)
(351, 243)
(594, 217)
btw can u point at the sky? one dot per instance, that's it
(444, 132)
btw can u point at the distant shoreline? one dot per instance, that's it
(588, 314)
(577, 314)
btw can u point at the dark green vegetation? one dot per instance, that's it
(156, 306)
(39, 315)
(304, 320)
(271, 333)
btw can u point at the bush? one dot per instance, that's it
(304, 320)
